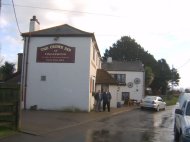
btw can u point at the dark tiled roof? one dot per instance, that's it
(123, 66)
(62, 30)
(103, 77)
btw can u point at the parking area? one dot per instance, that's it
(42, 122)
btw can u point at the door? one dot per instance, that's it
(104, 87)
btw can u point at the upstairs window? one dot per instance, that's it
(121, 78)
(93, 50)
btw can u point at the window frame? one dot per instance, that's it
(120, 78)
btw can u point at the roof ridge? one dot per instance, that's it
(78, 29)
(56, 27)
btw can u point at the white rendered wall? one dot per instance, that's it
(115, 96)
(94, 65)
(67, 84)
(130, 77)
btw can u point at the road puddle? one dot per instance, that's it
(104, 136)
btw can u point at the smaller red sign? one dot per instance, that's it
(55, 53)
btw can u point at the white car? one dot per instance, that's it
(182, 119)
(154, 102)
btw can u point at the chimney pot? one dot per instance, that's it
(109, 59)
(34, 24)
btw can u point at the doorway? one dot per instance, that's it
(104, 87)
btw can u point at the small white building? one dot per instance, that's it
(129, 81)
(59, 68)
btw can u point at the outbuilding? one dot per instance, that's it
(126, 80)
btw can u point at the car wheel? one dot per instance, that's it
(180, 138)
(176, 134)
(158, 108)
(165, 107)
(142, 108)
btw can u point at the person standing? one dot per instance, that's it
(98, 98)
(106, 100)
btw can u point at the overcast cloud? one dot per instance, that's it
(160, 26)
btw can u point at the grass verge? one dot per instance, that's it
(170, 100)
(5, 131)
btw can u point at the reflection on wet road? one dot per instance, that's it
(138, 126)
(164, 126)
(132, 126)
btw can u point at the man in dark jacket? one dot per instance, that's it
(98, 98)
(106, 100)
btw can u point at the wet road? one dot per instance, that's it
(133, 126)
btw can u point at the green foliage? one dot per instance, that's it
(170, 99)
(158, 74)
(9, 103)
(5, 131)
(149, 76)
(162, 77)
(93, 94)
(175, 77)
(7, 70)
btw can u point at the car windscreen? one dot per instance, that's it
(150, 98)
(188, 109)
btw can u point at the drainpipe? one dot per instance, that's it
(23, 73)
(26, 70)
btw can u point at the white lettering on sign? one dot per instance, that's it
(67, 49)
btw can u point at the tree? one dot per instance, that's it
(149, 76)
(157, 73)
(7, 70)
(162, 77)
(174, 77)
(124, 49)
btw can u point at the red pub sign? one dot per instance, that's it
(56, 53)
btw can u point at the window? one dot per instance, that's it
(93, 85)
(43, 78)
(160, 99)
(93, 50)
(125, 96)
(188, 109)
(96, 59)
(121, 78)
(90, 85)
(183, 107)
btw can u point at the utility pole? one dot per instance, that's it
(0, 8)
(1, 58)
(0, 43)
(174, 71)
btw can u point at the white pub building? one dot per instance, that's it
(59, 68)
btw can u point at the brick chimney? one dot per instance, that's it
(19, 64)
(109, 60)
(34, 24)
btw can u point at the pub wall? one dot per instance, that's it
(67, 84)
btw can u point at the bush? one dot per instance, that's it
(170, 99)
